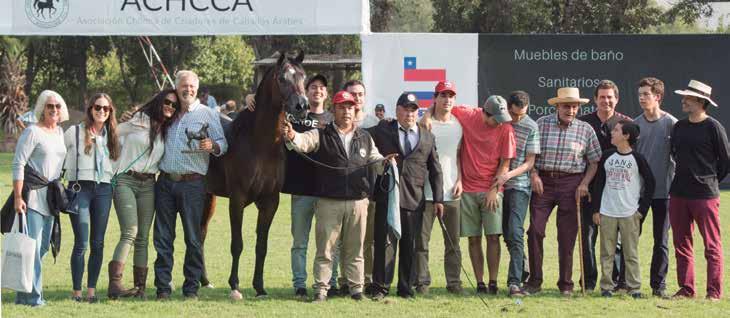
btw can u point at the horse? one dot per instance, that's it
(252, 171)
(43, 5)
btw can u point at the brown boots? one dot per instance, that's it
(140, 282)
(115, 279)
(116, 289)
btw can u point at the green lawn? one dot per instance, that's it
(215, 302)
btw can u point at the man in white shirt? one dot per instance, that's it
(447, 131)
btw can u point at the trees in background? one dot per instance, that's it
(566, 16)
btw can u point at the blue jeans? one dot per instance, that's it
(95, 201)
(515, 205)
(186, 197)
(39, 229)
(302, 212)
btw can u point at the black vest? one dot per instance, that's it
(300, 173)
(346, 184)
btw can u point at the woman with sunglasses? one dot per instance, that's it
(96, 147)
(142, 139)
(40, 147)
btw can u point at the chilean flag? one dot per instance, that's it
(411, 73)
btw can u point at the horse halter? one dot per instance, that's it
(294, 101)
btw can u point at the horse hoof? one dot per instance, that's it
(236, 295)
(209, 285)
(261, 294)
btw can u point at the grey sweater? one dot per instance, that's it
(44, 151)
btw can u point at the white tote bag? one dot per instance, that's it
(17, 257)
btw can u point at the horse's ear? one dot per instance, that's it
(282, 56)
(300, 57)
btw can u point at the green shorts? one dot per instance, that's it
(475, 216)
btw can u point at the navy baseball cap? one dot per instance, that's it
(408, 100)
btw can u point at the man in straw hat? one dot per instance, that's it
(700, 148)
(567, 146)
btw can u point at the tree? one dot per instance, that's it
(13, 101)
(556, 16)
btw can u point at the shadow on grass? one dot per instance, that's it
(222, 294)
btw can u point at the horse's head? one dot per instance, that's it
(290, 76)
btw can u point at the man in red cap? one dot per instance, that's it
(486, 152)
(341, 209)
(448, 132)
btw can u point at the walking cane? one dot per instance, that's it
(580, 240)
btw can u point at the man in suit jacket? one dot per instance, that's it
(417, 158)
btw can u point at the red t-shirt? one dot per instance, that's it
(481, 149)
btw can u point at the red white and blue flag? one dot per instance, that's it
(394, 63)
(411, 73)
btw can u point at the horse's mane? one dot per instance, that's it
(246, 120)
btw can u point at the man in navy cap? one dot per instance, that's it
(418, 163)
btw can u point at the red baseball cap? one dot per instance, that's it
(445, 86)
(343, 97)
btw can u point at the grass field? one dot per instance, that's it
(281, 302)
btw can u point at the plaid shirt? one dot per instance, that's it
(566, 149)
(174, 161)
(527, 137)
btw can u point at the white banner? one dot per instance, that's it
(393, 63)
(183, 17)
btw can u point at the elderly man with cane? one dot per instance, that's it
(567, 146)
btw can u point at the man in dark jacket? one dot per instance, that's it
(417, 159)
(344, 152)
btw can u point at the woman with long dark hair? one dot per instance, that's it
(143, 143)
(92, 146)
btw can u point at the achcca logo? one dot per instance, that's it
(46, 13)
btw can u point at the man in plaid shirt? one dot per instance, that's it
(567, 147)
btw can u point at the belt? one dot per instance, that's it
(140, 176)
(556, 174)
(176, 177)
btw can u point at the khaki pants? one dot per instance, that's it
(452, 256)
(344, 220)
(368, 247)
(629, 228)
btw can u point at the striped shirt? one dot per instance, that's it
(566, 149)
(527, 136)
(174, 161)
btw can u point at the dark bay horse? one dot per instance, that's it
(252, 171)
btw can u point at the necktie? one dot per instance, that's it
(407, 148)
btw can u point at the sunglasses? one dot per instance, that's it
(168, 102)
(99, 108)
(57, 106)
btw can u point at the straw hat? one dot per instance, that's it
(697, 89)
(568, 95)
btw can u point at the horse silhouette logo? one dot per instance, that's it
(46, 13)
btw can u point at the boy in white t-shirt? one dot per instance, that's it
(624, 187)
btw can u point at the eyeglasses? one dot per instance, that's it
(57, 106)
(168, 102)
(99, 108)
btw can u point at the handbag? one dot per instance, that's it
(73, 188)
(18, 257)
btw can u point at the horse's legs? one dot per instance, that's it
(267, 209)
(235, 211)
(208, 212)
